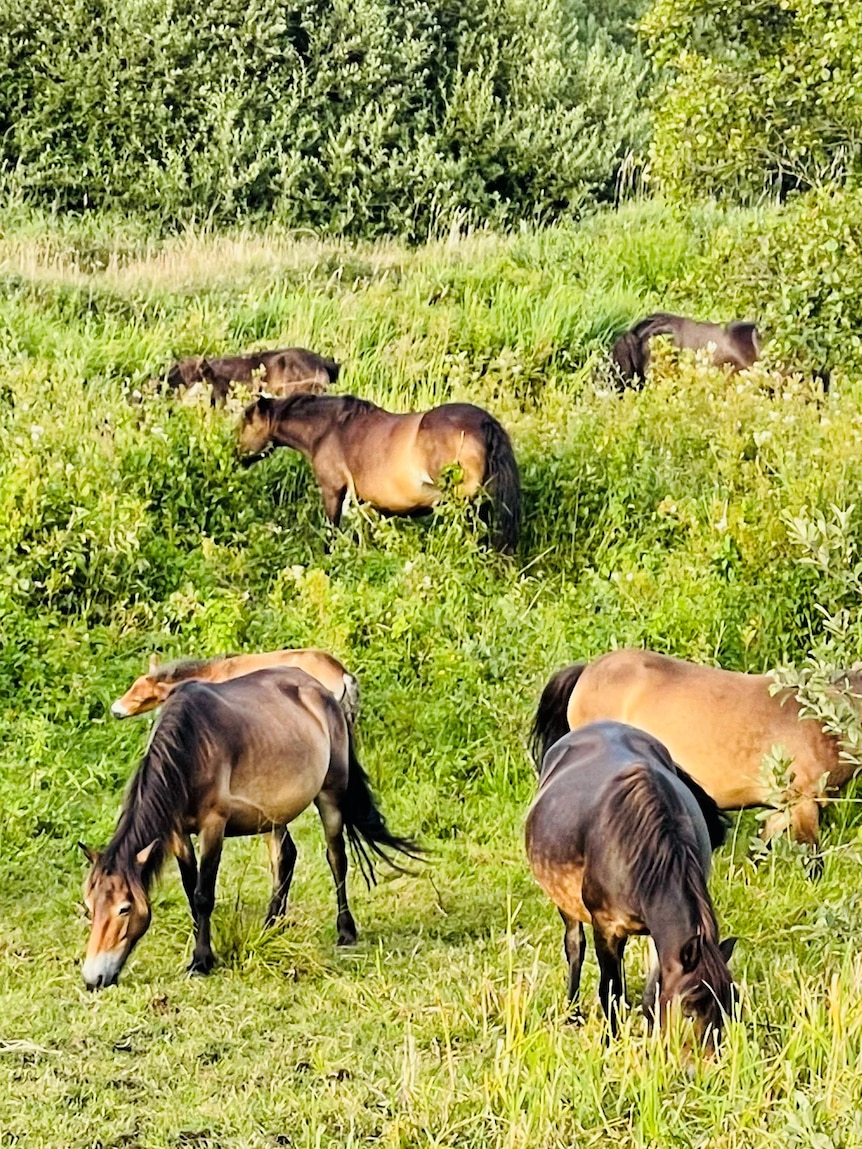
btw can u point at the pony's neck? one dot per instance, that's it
(672, 921)
(301, 430)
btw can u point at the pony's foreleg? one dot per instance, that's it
(609, 951)
(283, 853)
(188, 867)
(333, 501)
(336, 855)
(211, 840)
(575, 943)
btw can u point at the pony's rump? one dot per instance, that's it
(551, 723)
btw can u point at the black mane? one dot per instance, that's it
(343, 408)
(652, 830)
(158, 794)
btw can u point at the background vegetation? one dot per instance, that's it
(175, 182)
(696, 517)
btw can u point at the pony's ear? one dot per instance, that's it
(154, 663)
(726, 947)
(92, 856)
(690, 953)
(143, 856)
(265, 404)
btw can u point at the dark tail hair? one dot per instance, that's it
(504, 483)
(550, 723)
(366, 829)
(627, 356)
(332, 369)
(630, 353)
(717, 823)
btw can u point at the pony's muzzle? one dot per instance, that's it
(118, 710)
(101, 971)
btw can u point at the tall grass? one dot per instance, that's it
(662, 518)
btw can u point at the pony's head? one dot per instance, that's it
(698, 979)
(119, 909)
(255, 427)
(145, 693)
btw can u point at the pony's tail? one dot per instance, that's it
(350, 699)
(627, 356)
(332, 369)
(717, 823)
(366, 829)
(503, 480)
(550, 723)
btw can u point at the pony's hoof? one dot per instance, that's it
(346, 938)
(575, 1018)
(201, 965)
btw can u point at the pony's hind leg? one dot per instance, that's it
(283, 854)
(575, 943)
(336, 855)
(211, 841)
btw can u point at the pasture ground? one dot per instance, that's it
(704, 517)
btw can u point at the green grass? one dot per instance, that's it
(656, 518)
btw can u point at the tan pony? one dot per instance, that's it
(392, 461)
(151, 689)
(719, 726)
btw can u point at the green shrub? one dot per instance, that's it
(757, 97)
(355, 118)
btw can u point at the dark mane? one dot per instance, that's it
(651, 829)
(182, 669)
(158, 793)
(342, 408)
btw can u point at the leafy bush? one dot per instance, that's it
(358, 118)
(757, 97)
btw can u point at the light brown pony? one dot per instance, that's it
(280, 372)
(226, 760)
(151, 689)
(736, 346)
(394, 462)
(718, 725)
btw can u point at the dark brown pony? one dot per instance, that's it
(620, 838)
(719, 725)
(394, 462)
(226, 760)
(279, 372)
(736, 346)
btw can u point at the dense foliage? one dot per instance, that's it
(360, 117)
(758, 96)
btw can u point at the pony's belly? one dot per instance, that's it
(400, 495)
(563, 885)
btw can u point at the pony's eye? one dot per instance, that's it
(124, 909)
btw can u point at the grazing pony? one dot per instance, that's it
(620, 838)
(279, 372)
(394, 462)
(225, 760)
(719, 725)
(150, 690)
(736, 346)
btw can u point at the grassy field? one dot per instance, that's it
(708, 518)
